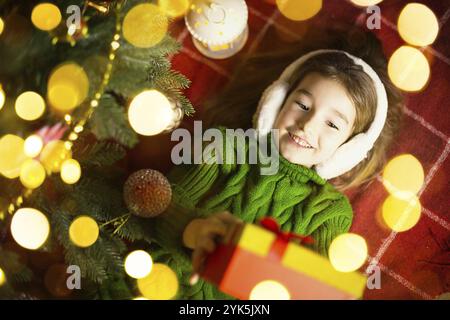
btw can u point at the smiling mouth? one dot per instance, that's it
(299, 141)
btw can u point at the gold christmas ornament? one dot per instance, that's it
(2, 25)
(219, 27)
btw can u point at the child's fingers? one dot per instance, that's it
(205, 246)
(212, 227)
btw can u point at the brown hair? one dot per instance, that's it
(235, 105)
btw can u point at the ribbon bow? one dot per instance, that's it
(272, 225)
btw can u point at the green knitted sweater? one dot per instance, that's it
(296, 196)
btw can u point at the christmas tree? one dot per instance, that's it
(76, 80)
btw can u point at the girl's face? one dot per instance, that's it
(317, 117)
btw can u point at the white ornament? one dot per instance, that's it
(219, 27)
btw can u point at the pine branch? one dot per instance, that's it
(110, 122)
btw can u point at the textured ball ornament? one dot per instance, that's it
(147, 193)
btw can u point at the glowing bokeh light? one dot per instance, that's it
(46, 16)
(30, 228)
(269, 290)
(30, 106)
(53, 155)
(408, 69)
(12, 155)
(403, 176)
(418, 25)
(145, 25)
(83, 231)
(32, 174)
(138, 264)
(33, 146)
(299, 10)
(70, 171)
(347, 252)
(160, 284)
(150, 113)
(401, 215)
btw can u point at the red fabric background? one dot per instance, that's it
(414, 264)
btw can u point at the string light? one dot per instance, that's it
(174, 8)
(72, 136)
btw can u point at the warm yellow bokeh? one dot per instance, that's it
(30, 228)
(418, 25)
(269, 290)
(2, 277)
(32, 174)
(138, 264)
(145, 25)
(401, 215)
(150, 113)
(70, 171)
(33, 146)
(54, 154)
(30, 106)
(160, 284)
(2, 25)
(68, 87)
(46, 16)
(174, 8)
(83, 231)
(366, 3)
(403, 176)
(12, 155)
(409, 69)
(2, 97)
(299, 10)
(347, 252)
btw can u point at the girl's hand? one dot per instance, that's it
(203, 235)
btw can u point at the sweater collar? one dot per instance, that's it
(300, 172)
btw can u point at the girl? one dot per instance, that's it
(336, 113)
